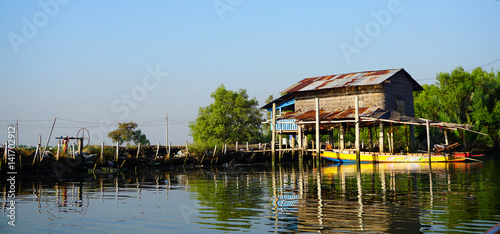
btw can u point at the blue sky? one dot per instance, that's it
(96, 63)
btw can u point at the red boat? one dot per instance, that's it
(468, 155)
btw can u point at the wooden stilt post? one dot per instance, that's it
(392, 138)
(371, 138)
(318, 147)
(381, 137)
(225, 148)
(236, 148)
(407, 139)
(299, 136)
(428, 139)
(356, 118)
(446, 137)
(388, 133)
(187, 148)
(273, 139)
(248, 149)
(280, 140)
(342, 137)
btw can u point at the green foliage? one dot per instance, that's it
(464, 98)
(232, 117)
(126, 133)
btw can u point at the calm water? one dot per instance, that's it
(388, 198)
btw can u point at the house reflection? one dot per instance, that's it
(377, 197)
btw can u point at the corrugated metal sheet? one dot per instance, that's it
(330, 115)
(344, 80)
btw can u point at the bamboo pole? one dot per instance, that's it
(236, 148)
(166, 129)
(36, 153)
(247, 147)
(138, 150)
(117, 152)
(102, 152)
(225, 148)
(50, 134)
(168, 152)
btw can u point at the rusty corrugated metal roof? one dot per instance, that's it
(329, 115)
(349, 79)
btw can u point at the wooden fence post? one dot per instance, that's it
(58, 150)
(168, 152)
(102, 152)
(138, 150)
(157, 150)
(5, 151)
(117, 152)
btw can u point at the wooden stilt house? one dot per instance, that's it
(384, 96)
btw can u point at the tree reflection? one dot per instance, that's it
(233, 199)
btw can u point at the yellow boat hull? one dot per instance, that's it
(346, 157)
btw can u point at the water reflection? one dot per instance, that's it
(384, 198)
(392, 198)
